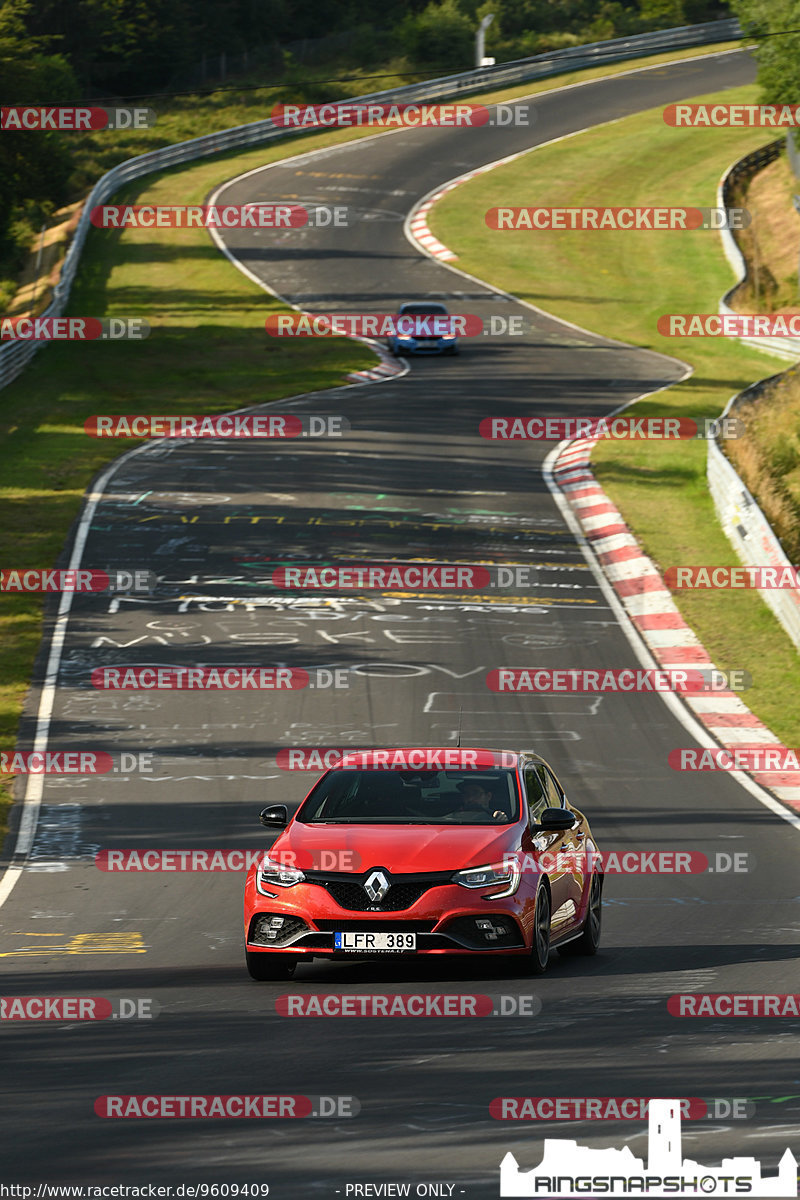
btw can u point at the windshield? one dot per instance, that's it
(413, 798)
(422, 310)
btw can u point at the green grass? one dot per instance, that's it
(618, 284)
(207, 351)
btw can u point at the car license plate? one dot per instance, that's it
(386, 943)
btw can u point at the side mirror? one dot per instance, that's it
(274, 817)
(554, 820)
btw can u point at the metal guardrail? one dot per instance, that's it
(14, 356)
(742, 520)
(748, 530)
(743, 168)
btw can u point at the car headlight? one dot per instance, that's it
(496, 875)
(404, 337)
(271, 873)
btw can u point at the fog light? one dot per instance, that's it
(490, 929)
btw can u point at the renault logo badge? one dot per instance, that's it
(376, 886)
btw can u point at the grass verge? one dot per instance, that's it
(618, 284)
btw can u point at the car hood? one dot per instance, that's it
(405, 849)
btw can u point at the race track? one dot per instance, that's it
(412, 478)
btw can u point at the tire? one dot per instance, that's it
(589, 940)
(270, 966)
(540, 944)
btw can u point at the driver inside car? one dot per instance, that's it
(474, 795)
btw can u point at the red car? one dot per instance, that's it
(425, 851)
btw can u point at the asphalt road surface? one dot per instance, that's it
(411, 478)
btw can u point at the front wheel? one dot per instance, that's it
(589, 940)
(540, 948)
(270, 966)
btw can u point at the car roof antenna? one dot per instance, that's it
(460, 713)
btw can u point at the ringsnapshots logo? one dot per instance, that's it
(227, 425)
(619, 218)
(569, 1170)
(72, 119)
(546, 680)
(656, 429)
(406, 115)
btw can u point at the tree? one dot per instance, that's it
(777, 53)
(34, 165)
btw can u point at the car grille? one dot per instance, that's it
(405, 890)
(398, 897)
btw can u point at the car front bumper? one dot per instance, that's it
(444, 920)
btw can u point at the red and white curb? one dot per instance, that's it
(649, 604)
(387, 367)
(418, 227)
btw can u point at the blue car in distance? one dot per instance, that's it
(421, 330)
